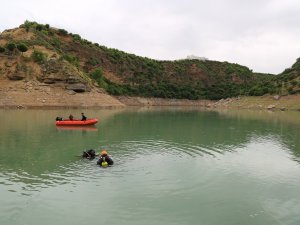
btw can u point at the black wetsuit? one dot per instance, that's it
(107, 159)
(83, 118)
(89, 154)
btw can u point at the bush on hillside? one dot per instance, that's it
(71, 59)
(76, 37)
(39, 27)
(2, 49)
(56, 42)
(63, 32)
(38, 56)
(22, 47)
(97, 74)
(93, 61)
(11, 46)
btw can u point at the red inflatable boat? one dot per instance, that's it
(76, 122)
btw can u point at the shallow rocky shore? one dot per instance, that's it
(36, 94)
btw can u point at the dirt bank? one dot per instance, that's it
(139, 101)
(267, 102)
(34, 94)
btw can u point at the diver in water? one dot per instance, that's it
(104, 160)
(89, 154)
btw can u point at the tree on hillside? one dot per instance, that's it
(11, 46)
(39, 27)
(22, 47)
(63, 32)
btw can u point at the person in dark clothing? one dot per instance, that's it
(104, 160)
(71, 117)
(89, 154)
(83, 117)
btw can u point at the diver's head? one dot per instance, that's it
(103, 152)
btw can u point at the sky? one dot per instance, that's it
(263, 35)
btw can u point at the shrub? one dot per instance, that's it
(71, 59)
(38, 56)
(294, 82)
(11, 46)
(76, 37)
(22, 47)
(45, 32)
(39, 27)
(97, 73)
(290, 90)
(2, 49)
(27, 25)
(63, 32)
(93, 61)
(56, 42)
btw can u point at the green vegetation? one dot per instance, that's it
(11, 46)
(56, 42)
(22, 47)
(39, 57)
(76, 37)
(93, 61)
(71, 59)
(97, 75)
(141, 76)
(63, 32)
(28, 25)
(2, 49)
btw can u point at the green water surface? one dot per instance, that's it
(172, 166)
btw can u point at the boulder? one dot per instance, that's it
(271, 107)
(16, 76)
(71, 92)
(53, 78)
(276, 97)
(72, 80)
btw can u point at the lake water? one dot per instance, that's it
(172, 166)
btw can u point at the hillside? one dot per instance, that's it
(65, 62)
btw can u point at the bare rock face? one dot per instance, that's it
(19, 73)
(77, 87)
(53, 78)
(57, 73)
(16, 76)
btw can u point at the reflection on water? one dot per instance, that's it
(77, 128)
(172, 166)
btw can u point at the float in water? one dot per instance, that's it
(76, 122)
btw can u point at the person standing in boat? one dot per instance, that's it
(83, 117)
(104, 160)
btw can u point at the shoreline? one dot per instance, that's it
(261, 103)
(34, 95)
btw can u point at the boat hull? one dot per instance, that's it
(76, 122)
